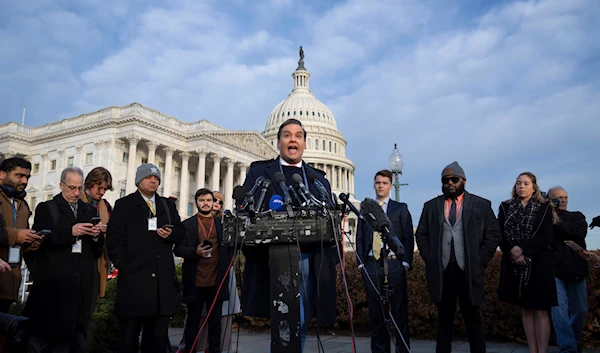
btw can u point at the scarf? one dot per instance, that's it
(518, 228)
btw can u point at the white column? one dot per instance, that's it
(97, 160)
(243, 171)
(60, 162)
(228, 187)
(133, 140)
(216, 171)
(44, 172)
(168, 171)
(151, 151)
(78, 162)
(185, 182)
(201, 172)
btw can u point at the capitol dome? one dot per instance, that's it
(325, 144)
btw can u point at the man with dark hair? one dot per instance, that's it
(368, 248)
(97, 182)
(141, 233)
(206, 261)
(570, 271)
(457, 237)
(315, 265)
(59, 303)
(14, 173)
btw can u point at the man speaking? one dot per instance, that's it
(317, 264)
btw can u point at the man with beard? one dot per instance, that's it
(205, 266)
(469, 234)
(14, 173)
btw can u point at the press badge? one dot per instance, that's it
(14, 254)
(152, 223)
(76, 248)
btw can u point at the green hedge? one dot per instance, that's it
(502, 321)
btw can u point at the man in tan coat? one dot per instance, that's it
(15, 173)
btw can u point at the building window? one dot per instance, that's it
(32, 202)
(301, 112)
(144, 160)
(49, 197)
(125, 157)
(36, 168)
(70, 161)
(192, 177)
(335, 147)
(161, 166)
(89, 158)
(53, 165)
(313, 113)
(288, 113)
(323, 145)
(122, 193)
(309, 144)
(316, 144)
(177, 172)
(190, 208)
(282, 114)
(329, 146)
(319, 114)
(294, 113)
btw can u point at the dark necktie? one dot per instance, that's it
(74, 208)
(452, 216)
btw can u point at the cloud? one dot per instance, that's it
(501, 87)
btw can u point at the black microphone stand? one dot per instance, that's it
(386, 289)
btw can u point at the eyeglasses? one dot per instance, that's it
(73, 187)
(454, 179)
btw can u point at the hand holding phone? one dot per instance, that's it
(43, 233)
(168, 226)
(95, 220)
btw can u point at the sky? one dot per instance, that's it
(500, 87)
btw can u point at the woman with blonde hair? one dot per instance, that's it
(526, 277)
(218, 205)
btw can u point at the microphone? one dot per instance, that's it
(276, 203)
(323, 193)
(280, 179)
(380, 222)
(239, 193)
(265, 185)
(344, 198)
(306, 195)
(249, 201)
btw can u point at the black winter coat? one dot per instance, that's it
(256, 282)
(481, 236)
(540, 292)
(568, 265)
(187, 250)
(146, 285)
(62, 290)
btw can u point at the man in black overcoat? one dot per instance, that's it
(291, 142)
(141, 233)
(457, 237)
(59, 303)
(368, 247)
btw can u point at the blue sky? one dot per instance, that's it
(501, 87)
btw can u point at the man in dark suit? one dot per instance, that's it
(291, 142)
(368, 248)
(457, 237)
(59, 304)
(141, 233)
(204, 268)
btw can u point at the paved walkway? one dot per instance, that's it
(259, 343)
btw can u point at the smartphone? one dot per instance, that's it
(95, 220)
(207, 242)
(578, 249)
(43, 232)
(170, 226)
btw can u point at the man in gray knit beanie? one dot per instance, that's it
(146, 170)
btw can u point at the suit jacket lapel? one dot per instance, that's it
(66, 208)
(140, 202)
(271, 169)
(160, 203)
(440, 210)
(466, 208)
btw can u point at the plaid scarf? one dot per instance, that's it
(518, 228)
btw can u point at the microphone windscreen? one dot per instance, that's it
(312, 175)
(297, 178)
(279, 177)
(276, 203)
(371, 207)
(344, 197)
(239, 193)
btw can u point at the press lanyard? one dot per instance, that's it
(207, 235)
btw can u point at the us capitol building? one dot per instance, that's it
(190, 155)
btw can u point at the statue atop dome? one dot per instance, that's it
(301, 61)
